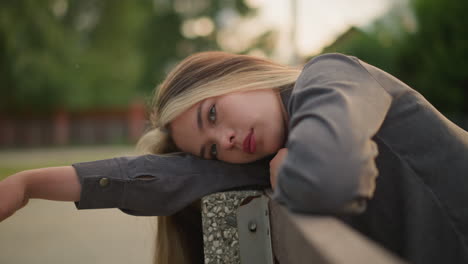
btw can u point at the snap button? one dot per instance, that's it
(104, 182)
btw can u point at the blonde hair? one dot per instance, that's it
(200, 76)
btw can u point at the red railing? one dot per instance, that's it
(64, 128)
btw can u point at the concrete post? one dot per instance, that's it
(219, 220)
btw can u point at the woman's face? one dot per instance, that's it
(237, 127)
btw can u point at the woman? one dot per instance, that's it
(333, 127)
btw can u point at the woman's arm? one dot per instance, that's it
(161, 184)
(140, 185)
(54, 183)
(336, 108)
(275, 164)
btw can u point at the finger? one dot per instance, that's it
(4, 214)
(272, 179)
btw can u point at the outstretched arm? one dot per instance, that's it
(161, 184)
(53, 183)
(140, 185)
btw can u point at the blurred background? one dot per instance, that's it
(76, 76)
(77, 73)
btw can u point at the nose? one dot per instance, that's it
(227, 139)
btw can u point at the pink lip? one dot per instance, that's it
(249, 145)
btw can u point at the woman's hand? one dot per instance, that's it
(53, 183)
(12, 195)
(275, 163)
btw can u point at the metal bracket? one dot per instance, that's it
(253, 224)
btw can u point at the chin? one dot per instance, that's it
(274, 148)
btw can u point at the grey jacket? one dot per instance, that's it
(349, 123)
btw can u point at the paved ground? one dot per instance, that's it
(61, 155)
(55, 232)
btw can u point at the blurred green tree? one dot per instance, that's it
(365, 46)
(69, 54)
(434, 58)
(84, 54)
(425, 44)
(33, 54)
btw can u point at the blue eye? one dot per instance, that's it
(213, 152)
(212, 114)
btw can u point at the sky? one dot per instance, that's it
(319, 22)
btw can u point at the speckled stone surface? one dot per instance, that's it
(220, 237)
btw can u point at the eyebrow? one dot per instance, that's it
(200, 128)
(199, 118)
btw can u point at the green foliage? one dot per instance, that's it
(51, 61)
(365, 46)
(32, 54)
(95, 53)
(434, 59)
(425, 46)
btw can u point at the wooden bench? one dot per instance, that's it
(249, 227)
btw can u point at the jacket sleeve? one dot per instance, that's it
(161, 184)
(335, 109)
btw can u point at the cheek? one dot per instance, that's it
(274, 145)
(277, 132)
(184, 141)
